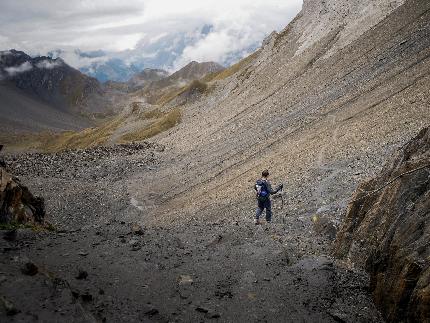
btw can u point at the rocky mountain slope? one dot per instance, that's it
(323, 104)
(312, 118)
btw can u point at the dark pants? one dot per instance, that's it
(264, 205)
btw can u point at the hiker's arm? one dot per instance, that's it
(271, 191)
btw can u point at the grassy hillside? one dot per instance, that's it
(162, 123)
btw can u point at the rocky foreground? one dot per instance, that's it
(104, 263)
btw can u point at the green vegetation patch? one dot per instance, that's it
(153, 114)
(196, 86)
(165, 122)
(84, 139)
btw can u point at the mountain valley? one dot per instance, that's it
(148, 184)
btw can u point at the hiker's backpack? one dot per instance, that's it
(262, 191)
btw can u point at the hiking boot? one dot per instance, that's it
(256, 221)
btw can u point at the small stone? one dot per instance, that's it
(152, 312)
(137, 229)
(202, 309)
(83, 253)
(213, 315)
(29, 269)
(82, 274)
(135, 245)
(185, 280)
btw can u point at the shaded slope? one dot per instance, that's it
(25, 112)
(42, 93)
(52, 80)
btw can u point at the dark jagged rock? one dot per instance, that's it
(17, 204)
(387, 229)
(2, 162)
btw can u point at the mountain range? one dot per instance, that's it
(161, 53)
(42, 93)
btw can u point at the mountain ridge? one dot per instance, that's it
(41, 93)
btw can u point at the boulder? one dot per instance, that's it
(17, 204)
(387, 232)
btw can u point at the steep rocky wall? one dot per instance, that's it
(387, 231)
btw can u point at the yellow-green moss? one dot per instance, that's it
(167, 121)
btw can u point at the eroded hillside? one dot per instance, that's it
(321, 116)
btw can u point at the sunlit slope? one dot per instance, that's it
(322, 114)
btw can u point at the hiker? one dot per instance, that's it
(264, 190)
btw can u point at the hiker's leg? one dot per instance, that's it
(268, 211)
(259, 211)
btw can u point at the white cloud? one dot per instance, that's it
(117, 26)
(24, 67)
(73, 58)
(48, 64)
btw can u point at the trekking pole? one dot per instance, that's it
(282, 203)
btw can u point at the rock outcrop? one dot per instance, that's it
(387, 230)
(17, 204)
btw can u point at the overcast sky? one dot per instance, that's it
(38, 26)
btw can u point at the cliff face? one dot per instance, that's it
(387, 230)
